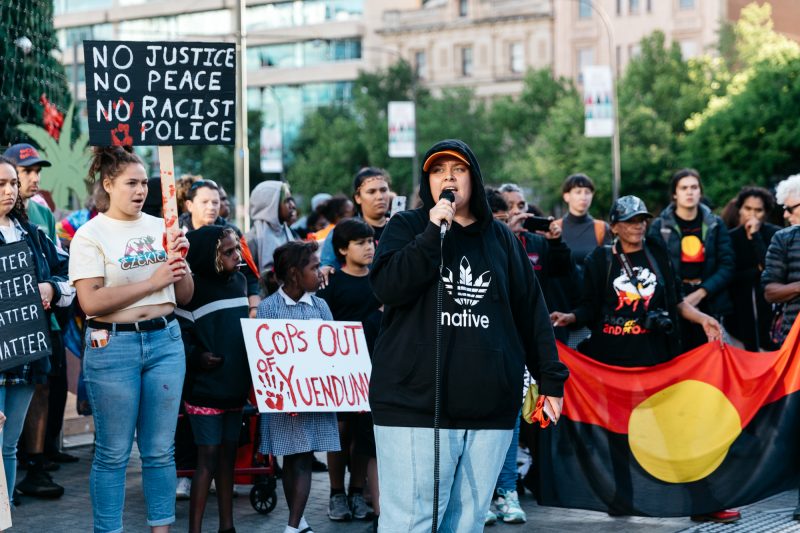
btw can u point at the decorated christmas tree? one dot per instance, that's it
(32, 80)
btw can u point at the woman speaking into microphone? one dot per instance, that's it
(463, 317)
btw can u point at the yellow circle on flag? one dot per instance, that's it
(691, 246)
(683, 432)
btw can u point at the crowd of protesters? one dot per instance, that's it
(161, 335)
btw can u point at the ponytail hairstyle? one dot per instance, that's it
(17, 212)
(109, 162)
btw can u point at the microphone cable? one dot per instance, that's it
(437, 402)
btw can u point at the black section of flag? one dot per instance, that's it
(586, 466)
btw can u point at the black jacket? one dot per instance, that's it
(494, 319)
(211, 322)
(752, 316)
(719, 263)
(51, 267)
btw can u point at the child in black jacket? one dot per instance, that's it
(217, 371)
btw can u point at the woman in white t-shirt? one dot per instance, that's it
(134, 362)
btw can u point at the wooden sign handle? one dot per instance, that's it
(169, 200)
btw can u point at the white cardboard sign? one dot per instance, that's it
(308, 365)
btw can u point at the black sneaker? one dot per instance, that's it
(39, 484)
(62, 457)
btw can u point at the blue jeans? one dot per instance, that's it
(470, 461)
(507, 480)
(134, 384)
(14, 402)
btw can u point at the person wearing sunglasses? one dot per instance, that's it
(781, 276)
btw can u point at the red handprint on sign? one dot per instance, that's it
(126, 139)
(274, 395)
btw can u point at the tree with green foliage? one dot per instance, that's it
(30, 68)
(328, 152)
(755, 138)
(750, 134)
(215, 161)
(66, 179)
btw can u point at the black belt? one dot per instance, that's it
(152, 324)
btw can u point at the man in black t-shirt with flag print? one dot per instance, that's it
(700, 251)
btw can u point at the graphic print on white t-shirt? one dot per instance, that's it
(140, 252)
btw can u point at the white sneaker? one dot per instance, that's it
(183, 488)
(508, 509)
(491, 518)
(212, 489)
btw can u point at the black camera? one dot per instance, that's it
(658, 320)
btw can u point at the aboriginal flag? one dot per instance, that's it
(714, 428)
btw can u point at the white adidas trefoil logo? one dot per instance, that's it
(467, 293)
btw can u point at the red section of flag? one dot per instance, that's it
(605, 395)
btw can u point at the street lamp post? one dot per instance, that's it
(615, 138)
(241, 159)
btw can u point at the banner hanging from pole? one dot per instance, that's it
(402, 129)
(271, 156)
(598, 95)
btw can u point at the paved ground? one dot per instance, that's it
(72, 513)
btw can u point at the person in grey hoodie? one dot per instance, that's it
(272, 209)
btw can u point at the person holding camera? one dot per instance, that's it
(631, 297)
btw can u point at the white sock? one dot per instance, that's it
(290, 529)
(303, 524)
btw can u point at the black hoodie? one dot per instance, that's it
(494, 319)
(211, 322)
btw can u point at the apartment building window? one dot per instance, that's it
(466, 61)
(71, 6)
(619, 7)
(686, 4)
(649, 6)
(516, 53)
(420, 65)
(633, 7)
(463, 8)
(585, 9)
(585, 59)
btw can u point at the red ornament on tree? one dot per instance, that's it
(52, 118)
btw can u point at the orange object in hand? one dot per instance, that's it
(538, 415)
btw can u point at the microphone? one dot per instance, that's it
(448, 195)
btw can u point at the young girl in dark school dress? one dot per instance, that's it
(297, 436)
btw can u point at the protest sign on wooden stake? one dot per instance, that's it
(162, 94)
